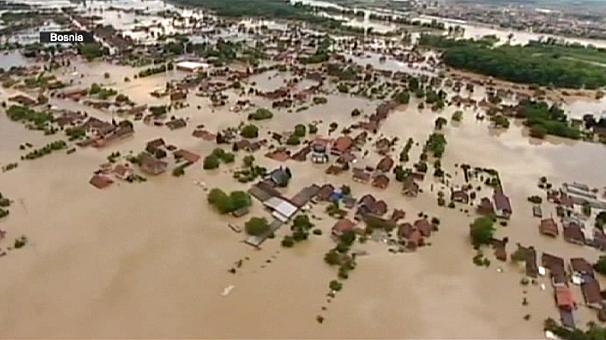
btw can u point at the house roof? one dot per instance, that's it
(564, 297)
(552, 262)
(405, 229)
(263, 191)
(573, 233)
(591, 291)
(360, 174)
(423, 226)
(342, 143)
(343, 225)
(187, 155)
(100, 181)
(156, 143)
(279, 205)
(397, 214)
(121, 170)
(549, 227)
(325, 192)
(501, 201)
(305, 195)
(380, 181)
(580, 265)
(415, 238)
(385, 164)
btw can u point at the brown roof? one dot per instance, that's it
(415, 239)
(556, 267)
(564, 298)
(367, 200)
(405, 230)
(360, 174)
(122, 170)
(580, 265)
(485, 207)
(380, 208)
(342, 144)
(397, 214)
(501, 201)
(385, 164)
(176, 124)
(459, 196)
(591, 292)
(325, 191)
(154, 144)
(423, 226)
(100, 181)
(381, 182)
(574, 234)
(343, 225)
(187, 155)
(410, 187)
(549, 227)
(151, 165)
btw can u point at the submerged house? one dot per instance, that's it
(502, 204)
(549, 227)
(151, 165)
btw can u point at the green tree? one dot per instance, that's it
(600, 265)
(219, 199)
(293, 140)
(256, 226)
(300, 130)
(482, 231)
(211, 162)
(248, 160)
(250, 131)
(401, 97)
(261, 114)
(335, 285)
(440, 123)
(538, 131)
(457, 116)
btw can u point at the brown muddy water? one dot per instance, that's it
(151, 259)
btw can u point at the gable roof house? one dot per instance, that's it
(556, 268)
(485, 207)
(549, 227)
(591, 293)
(152, 165)
(380, 181)
(341, 145)
(385, 164)
(459, 196)
(410, 188)
(580, 267)
(424, 227)
(564, 298)
(502, 204)
(574, 234)
(342, 226)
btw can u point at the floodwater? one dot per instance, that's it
(156, 253)
(12, 59)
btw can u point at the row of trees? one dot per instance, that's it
(544, 119)
(218, 155)
(531, 64)
(225, 203)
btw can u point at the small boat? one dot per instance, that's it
(234, 228)
(227, 290)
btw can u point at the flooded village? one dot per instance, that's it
(195, 175)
